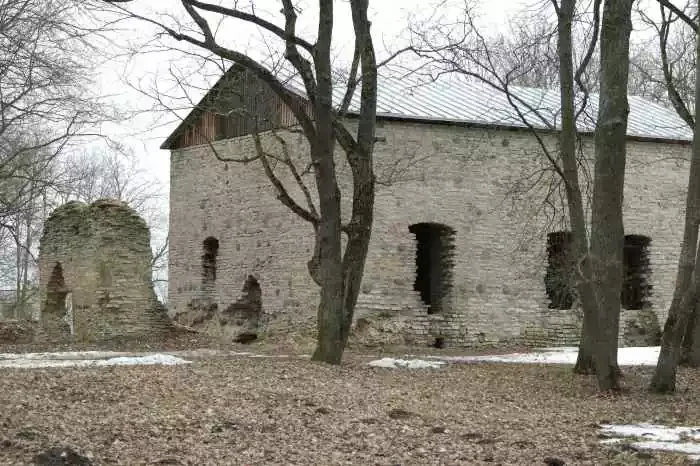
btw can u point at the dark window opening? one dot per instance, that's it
(434, 263)
(636, 289)
(211, 250)
(56, 292)
(559, 279)
(439, 343)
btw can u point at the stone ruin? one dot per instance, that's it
(95, 274)
(239, 322)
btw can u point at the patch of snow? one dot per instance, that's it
(161, 359)
(631, 356)
(687, 448)
(656, 437)
(394, 363)
(65, 355)
(35, 362)
(652, 432)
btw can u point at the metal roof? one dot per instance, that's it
(460, 101)
(457, 100)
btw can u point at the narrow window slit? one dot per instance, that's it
(211, 251)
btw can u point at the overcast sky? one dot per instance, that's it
(389, 21)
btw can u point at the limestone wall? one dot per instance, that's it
(474, 181)
(100, 254)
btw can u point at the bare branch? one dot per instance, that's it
(253, 19)
(295, 173)
(587, 58)
(282, 193)
(678, 12)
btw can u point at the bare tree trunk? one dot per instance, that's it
(691, 340)
(26, 248)
(361, 163)
(341, 279)
(693, 348)
(18, 265)
(577, 218)
(330, 311)
(690, 349)
(28, 240)
(683, 301)
(607, 231)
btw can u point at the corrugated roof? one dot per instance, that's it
(457, 100)
(460, 101)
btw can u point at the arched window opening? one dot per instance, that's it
(434, 263)
(56, 291)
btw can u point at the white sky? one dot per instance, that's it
(389, 22)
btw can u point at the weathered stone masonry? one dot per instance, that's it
(99, 255)
(464, 182)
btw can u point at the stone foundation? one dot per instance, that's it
(563, 328)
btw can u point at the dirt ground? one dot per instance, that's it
(245, 411)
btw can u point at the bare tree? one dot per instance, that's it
(29, 187)
(681, 323)
(45, 104)
(114, 173)
(475, 57)
(111, 173)
(472, 56)
(337, 271)
(607, 231)
(567, 77)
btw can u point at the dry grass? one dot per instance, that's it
(276, 411)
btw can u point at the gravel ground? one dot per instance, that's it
(293, 411)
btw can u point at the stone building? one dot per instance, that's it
(95, 263)
(470, 243)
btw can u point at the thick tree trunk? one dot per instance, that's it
(577, 219)
(679, 313)
(690, 349)
(360, 159)
(607, 232)
(330, 311)
(692, 355)
(356, 250)
(585, 363)
(330, 273)
(683, 301)
(341, 279)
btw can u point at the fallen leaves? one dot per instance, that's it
(292, 411)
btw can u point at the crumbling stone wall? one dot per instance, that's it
(465, 178)
(240, 321)
(98, 255)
